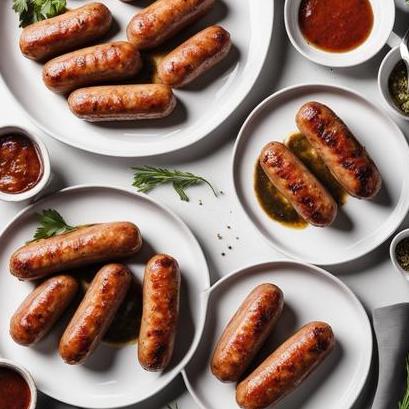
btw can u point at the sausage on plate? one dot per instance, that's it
(95, 313)
(164, 18)
(42, 308)
(246, 332)
(161, 292)
(298, 185)
(108, 62)
(73, 29)
(194, 57)
(344, 156)
(122, 102)
(287, 367)
(82, 246)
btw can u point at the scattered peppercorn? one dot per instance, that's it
(402, 253)
(230, 248)
(223, 254)
(229, 227)
(219, 236)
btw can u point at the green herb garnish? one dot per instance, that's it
(404, 403)
(148, 177)
(51, 224)
(169, 406)
(31, 11)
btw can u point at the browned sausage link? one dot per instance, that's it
(73, 29)
(163, 19)
(345, 157)
(246, 332)
(298, 185)
(194, 57)
(85, 245)
(287, 367)
(115, 61)
(122, 102)
(95, 313)
(161, 287)
(41, 309)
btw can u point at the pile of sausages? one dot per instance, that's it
(345, 157)
(285, 369)
(120, 61)
(98, 243)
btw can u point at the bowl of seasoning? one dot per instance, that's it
(24, 164)
(399, 252)
(339, 33)
(17, 387)
(393, 83)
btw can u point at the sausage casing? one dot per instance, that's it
(344, 156)
(287, 367)
(246, 332)
(95, 313)
(122, 102)
(162, 19)
(41, 309)
(107, 62)
(161, 292)
(82, 246)
(194, 57)
(298, 185)
(73, 29)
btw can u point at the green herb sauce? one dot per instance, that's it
(398, 87)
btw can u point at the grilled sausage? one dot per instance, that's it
(344, 156)
(73, 29)
(85, 245)
(161, 288)
(163, 19)
(287, 367)
(194, 57)
(246, 332)
(122, 102)
(95, 313)
(115, 61)
(41, 309)
(298, 185)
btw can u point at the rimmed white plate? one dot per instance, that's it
(112, 377)
(201, 108)
(310, 294)
(360, 225)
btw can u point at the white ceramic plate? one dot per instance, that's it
(112, 377)
(310, 294)
(360, 225)
(201, 107)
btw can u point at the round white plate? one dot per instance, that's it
(201, 107)
(361, 225)
(310, 294)
(112, 377)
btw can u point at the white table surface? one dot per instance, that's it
(372, 277)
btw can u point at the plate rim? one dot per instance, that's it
(268, 7)
(317, 271)
(235, 161)
(200, 324)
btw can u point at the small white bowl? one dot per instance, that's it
(384, 18)
(397, 239)
(5, 363)
(43, 152)
(385, 70)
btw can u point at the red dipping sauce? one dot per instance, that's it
(14, 390)
(336, 25)
(21, 166)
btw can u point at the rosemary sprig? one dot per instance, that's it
(51, 224)
(404, 403)
(148, 177)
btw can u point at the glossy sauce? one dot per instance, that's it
(275, 204)
(336, 25)
(20, 164)
(14, 390)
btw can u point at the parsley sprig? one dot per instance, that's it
(404, 403)
(51, 224)
(148, 177)
(31, 11)
(175, 406)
